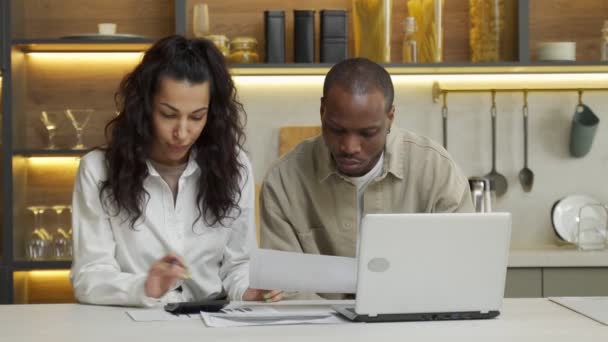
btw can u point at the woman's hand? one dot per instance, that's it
(163, 274)
(265, 295)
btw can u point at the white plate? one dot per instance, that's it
(565, 212)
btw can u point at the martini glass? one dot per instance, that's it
(79, 119)
(50, 119)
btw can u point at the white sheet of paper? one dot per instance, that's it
(595, 308)
(287, 271)
(150, 315)
(239, 316)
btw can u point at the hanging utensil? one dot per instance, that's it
(444, 118)
(497, 180)
(526, 176)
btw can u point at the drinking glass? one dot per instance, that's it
(50, 119)
(592, 230)
(200, 20)
(79, 119)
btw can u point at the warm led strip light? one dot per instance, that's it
(462, 81)
(53, 161)
(80, 57)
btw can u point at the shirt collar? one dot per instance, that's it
(394, 157)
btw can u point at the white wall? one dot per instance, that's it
(283, 102)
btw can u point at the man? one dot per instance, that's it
(313, 198)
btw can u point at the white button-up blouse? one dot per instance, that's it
(111, 259)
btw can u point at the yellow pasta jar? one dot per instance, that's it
(244, 50)
(487, 32)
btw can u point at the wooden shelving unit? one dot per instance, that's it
(82, 45)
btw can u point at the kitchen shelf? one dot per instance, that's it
(82, 45)
(49, 153)
(426, 69)
(41, 265)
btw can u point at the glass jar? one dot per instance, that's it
(428, 15)
(604, 47)
(487, 31)
(244, 50)
(222, 42)
(372, 29)
(409, 49)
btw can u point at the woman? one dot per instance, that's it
(165, 211)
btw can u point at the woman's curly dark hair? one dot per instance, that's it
(130, 134)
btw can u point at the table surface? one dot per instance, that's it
(535, 319)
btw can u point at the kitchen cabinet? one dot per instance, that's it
(524, 283)
(42, 72)
(563, 282)
(556, 282)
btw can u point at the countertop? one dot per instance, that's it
(556, 256)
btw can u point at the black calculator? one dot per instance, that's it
(210, 305)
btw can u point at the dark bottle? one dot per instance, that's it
(304, 36)
(274, 33)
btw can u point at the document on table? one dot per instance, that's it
(238, 316)
(158, 314)
(287, 271)
(595, 308)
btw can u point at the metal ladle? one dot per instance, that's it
(526, 176)
(498, 180)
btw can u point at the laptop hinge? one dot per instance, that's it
(372, 315)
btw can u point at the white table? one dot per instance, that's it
(520, 320)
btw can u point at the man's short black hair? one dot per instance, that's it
(360, 76)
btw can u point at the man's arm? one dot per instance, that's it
(455, 195)
(276, 231)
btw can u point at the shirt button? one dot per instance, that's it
(347, 225)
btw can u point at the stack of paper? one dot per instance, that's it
(157, 314)
(266, 315)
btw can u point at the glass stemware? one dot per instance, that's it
(70, 234)
(50, 120)
(79, 119)
(37, 245)
(62, 246)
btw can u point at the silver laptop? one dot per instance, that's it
(414, 267)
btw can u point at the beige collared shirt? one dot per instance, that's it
(307, 206)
